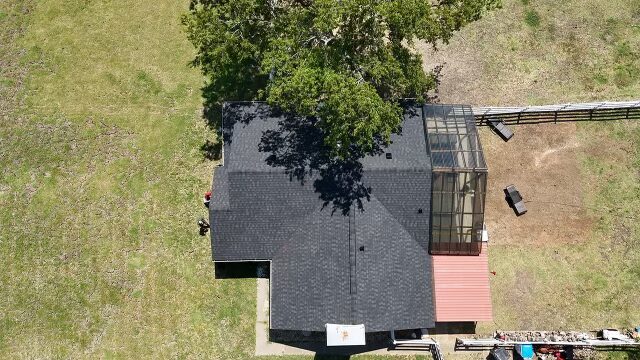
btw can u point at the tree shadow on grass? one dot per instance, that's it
(633, 355)
(240, 83)
(211, 150)
(331, 357)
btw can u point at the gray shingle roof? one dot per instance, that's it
(319, 272)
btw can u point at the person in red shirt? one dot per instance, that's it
(207, 199)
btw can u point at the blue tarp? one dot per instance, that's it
(525, 351)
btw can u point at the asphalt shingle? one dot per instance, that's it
(371, 266)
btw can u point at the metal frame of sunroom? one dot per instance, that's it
(459, 180)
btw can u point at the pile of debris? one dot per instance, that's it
(543, 336)
(552, 345)
(584, 354)
(633, 333)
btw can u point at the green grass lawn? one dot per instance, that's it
(545, 52)
(101, 185)
(102, 176)
(100, 190)
(593, 283)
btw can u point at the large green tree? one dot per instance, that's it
(347, 63)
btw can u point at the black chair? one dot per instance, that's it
(500, 128)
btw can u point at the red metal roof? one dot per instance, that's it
(461, 286)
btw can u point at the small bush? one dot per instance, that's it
(600, 79)
(532, 18)
(611, 30)
(627, 69)
(635, 12)
(624, 52)
(147, 83)
(626, 74)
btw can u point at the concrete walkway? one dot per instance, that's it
(263, 345)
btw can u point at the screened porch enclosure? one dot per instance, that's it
(457, 213)
(459, 180)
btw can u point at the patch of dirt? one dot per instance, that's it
(523, 293)
(545, 159)
(542, 162)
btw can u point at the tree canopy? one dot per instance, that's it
(347, 63)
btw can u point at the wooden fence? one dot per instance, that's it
(602, 111)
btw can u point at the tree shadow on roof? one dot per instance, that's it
(237, 84)
(297, 146)
(237, 112)
(340, 183)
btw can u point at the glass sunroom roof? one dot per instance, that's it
(452, 138)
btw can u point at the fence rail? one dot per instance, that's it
(601, 111)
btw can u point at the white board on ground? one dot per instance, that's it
(345, 335)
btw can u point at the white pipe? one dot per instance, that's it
(429, 342)
(414, 342)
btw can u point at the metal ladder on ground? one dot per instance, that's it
(435, 351)
(510, 339)
(428, 344)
